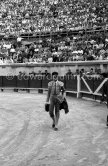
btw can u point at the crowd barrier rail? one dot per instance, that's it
(80, 86)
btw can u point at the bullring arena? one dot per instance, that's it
(27, 139)
(37, 38)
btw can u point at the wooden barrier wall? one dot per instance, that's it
(82, 86)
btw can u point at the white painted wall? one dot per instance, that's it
(62, 68)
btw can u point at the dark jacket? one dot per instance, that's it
(63, 105)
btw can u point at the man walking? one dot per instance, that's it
(56, 97)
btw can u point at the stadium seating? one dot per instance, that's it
(38, 16)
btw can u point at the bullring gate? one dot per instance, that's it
(91, 85)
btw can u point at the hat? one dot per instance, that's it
(54, 73)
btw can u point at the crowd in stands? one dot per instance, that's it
(31, 16)
(75, 48)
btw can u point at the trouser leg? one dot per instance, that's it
(51, 110)
(57, 113)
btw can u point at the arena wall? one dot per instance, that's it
(61, 67)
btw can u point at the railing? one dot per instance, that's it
(42, 34)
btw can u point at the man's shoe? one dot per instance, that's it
(55, 128)
(107, 124)
(66, 111)
(53, 125)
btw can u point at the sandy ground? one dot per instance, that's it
(27, 139)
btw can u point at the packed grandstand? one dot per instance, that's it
(45, 31)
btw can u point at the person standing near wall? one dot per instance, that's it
(105, 93)
(56, 97)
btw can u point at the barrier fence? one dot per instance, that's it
(86, 86)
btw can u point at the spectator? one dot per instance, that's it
(69, 73)
(91, 72)
(46, 73)
(19, 60)
(39, 17)
(1, 61)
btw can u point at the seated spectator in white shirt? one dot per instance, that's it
(50, 59)
(12, 50)
(100, 57)
(34, 60)
(30, 60)
(101, 45)
(8, 46)
(39, 59)
(25, 60)
(1, 61)
(8, 60)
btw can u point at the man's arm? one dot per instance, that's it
(63, 90)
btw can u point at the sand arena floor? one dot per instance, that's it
(27, 139)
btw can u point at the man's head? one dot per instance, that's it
(91, 70)
(55, 76)
(46, 71)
